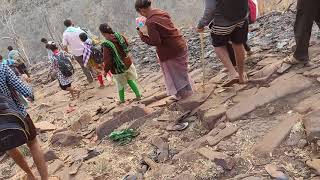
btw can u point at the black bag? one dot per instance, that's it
(14, 131)
(65, 65)
(96, 54)
(234, 10)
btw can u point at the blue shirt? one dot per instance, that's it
(8, 78)
(8, 62)
(12, 55)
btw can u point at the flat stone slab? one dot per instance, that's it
(45, 126)
(219, 78)
(194, 101)
(313, 73)
(268, 60)
(218, 158)
(309, 104)
(276, 135)
(281, 88)
(312, 125)
(211, 117)
(129, 114)
(226, 132)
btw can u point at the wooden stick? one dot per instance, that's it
(203, 62)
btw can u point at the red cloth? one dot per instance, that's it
(253, 11)
(100, 79)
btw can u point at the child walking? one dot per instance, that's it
(118, 60)
(89, 60)
(65, 81)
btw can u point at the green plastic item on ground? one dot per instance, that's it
(123, 137)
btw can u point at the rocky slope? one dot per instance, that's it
(262, 130)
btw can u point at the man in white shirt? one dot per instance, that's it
(72, 44)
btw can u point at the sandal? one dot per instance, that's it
(294, 61)
(178, 127)
(230, 82)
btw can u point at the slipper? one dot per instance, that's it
(183, 117)
(294, 61)
(178, 127)
(230, 82)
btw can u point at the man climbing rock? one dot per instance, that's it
(308, 11)
(72, 44)
(228, 22)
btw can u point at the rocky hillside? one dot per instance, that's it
(267, 129)
(29, 22)
(29, 17)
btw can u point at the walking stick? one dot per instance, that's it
(203, 62)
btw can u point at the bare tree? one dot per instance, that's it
(7, 19)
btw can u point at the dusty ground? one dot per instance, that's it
(275, 99)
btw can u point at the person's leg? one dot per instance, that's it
(18, 158)
(100, 79)
(239, 37)
(74, 92)
(246, 47)
(121, 95)
(223, 55)
(306, 13)
(135, 89)
(220, 42)
(85, 70)
(38, 158)
(231, 53)
(240, 57)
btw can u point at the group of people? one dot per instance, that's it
(15, 61)
(228, 23)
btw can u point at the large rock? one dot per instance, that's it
(211, 117)
(226, 132)
(129, 114)
(50, 155)
(313, 73)
(220, 159)
(194, 101)
(309, 104)
(65, 138)
(219, 78)
(266, 71)
(268, 60)
(45, 126)
(279, 88)
(153, 98)
(83, 122)
(312, 125)
(276, 135)
(55, 167)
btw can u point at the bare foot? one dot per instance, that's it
(29, 177)
(243, 79)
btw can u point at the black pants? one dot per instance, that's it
(308, 11)
(87, 71)
(22, 68)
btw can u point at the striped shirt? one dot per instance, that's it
(225, 30)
